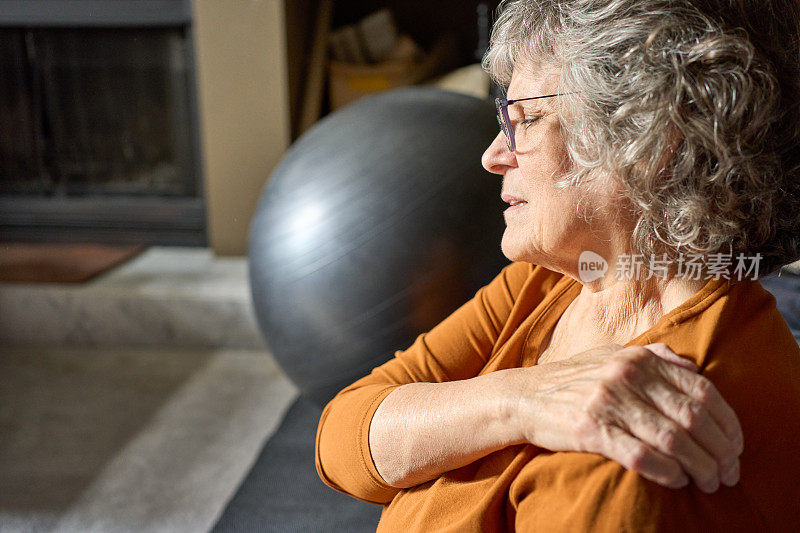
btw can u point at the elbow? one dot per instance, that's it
(327, 455)
(321, 466)
(341, 468)
(360, 489)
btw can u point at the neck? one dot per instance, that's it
(616, 311)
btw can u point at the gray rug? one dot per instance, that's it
(130, 439)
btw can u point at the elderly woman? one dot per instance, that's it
(649, 154)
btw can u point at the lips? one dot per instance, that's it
(513, 200)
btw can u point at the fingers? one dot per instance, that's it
(682, 415)
(666, 436)
(665, 352)
(703, 391)
(657, 416)
(693, 417)
(634, 455)
(698, 407)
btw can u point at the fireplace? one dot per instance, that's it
(98, 124)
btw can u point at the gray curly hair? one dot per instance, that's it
(713, 83)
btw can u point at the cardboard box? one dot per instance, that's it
(407, 66)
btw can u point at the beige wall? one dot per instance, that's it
(244, 110)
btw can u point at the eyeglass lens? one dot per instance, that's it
(503, 120)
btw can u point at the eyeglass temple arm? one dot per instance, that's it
(509, 102)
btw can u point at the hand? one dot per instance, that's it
(643, 407)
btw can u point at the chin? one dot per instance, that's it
(528, 252)
(513, 250)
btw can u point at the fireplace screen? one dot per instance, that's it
(95, 111)
(98, 130)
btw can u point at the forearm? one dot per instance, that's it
(422, 430)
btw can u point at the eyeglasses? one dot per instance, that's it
(505, 123)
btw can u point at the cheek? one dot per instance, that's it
(551, 215)
(544, 165)
(555, 148)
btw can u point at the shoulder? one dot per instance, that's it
(740, 340)
(750, 350)
(754, 361)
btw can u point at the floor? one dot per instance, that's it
(105, 436)
(168, 296)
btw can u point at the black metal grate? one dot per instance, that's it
(99, 138)
(95, 111)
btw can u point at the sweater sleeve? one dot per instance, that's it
(457, 348)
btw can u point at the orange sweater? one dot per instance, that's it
(733, 331)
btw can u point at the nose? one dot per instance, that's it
(497, 158)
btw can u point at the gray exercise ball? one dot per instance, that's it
(378, 223)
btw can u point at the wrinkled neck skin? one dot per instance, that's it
(616, 311)
(609, 309)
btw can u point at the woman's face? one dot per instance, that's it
(544, 228)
